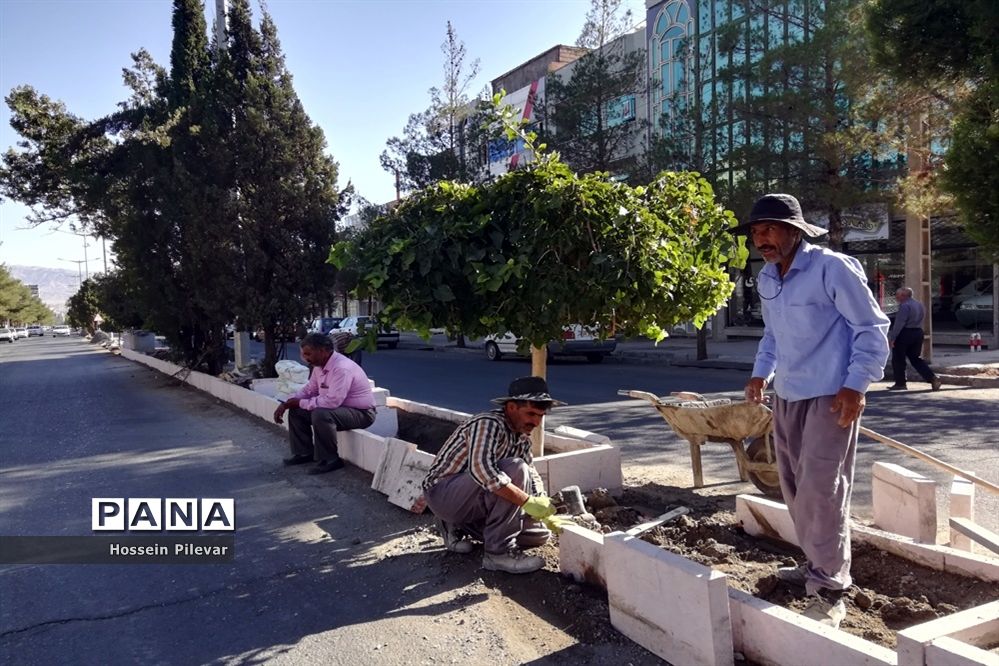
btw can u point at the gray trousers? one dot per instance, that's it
(815, 459)
(459, 500)
(324, 423)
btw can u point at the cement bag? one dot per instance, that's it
(291, 377)
(292, 371)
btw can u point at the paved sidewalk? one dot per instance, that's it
(957, 364)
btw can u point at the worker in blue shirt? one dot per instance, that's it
(824, 343)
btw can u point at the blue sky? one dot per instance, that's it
(360, 67)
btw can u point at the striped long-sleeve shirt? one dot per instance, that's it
(476, 447)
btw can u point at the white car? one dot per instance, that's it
(353, 325)
(22, 332)
(576, 341)
(8, 334)
(35, 330)
(61, 330)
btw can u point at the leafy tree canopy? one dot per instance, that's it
(543, 247)
(18, 305)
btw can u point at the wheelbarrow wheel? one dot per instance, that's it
(767, 481)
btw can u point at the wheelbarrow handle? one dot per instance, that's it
(640, 395)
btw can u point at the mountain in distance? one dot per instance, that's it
(55, 285)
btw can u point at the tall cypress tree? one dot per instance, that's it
(286, 199)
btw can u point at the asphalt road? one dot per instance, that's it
(326, 571)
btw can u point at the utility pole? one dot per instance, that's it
(78, 269)
(220, 13)
(917, 239)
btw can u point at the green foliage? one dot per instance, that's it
(83, 307)
(972, 173)
(118, 301)
(948, 46)
(543, 247)
(18, 305)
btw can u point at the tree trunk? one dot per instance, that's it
(702, 343)
(270, 353)
(539, 368)
(460, 340)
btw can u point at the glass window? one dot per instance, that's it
(739, 133)
(662, 23)
(707, 94)
(704, 8)
(682, 13)
(721, 13)
(738, 9)
(738, 90)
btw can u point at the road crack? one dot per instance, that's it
(168, 604)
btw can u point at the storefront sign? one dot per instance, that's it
(860, 223)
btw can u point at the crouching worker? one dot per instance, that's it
(483, 483)
(337, 397)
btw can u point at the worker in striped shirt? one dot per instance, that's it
(483, 483)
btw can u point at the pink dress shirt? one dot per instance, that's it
(339, 383)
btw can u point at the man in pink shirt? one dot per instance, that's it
(337, 397)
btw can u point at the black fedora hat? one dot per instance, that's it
(529, 389)
(778, 208)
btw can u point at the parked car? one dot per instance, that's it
(576, 341)
(324, 324)
(354, 325)
(22, 331)
(61, 331)
(8, 334)
(289, 333)
(35, 330)
(975, 312)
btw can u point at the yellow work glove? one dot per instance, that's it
(539, 507)
(556, 523)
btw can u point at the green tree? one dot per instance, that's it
(443, 141)
(585, 115)
(118, 301)
(18, 305)
(945, 46)
(797, 112)
(83, 306)
(287, 203)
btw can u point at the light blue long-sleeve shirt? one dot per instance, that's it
(823, 328)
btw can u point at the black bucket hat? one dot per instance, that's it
(778, 208)
(530, 389)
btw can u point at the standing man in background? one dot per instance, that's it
(906, 340)
(823, 344)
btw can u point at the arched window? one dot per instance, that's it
(672, 59)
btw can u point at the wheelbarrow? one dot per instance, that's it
(699, 420)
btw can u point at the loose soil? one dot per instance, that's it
(889, 593)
